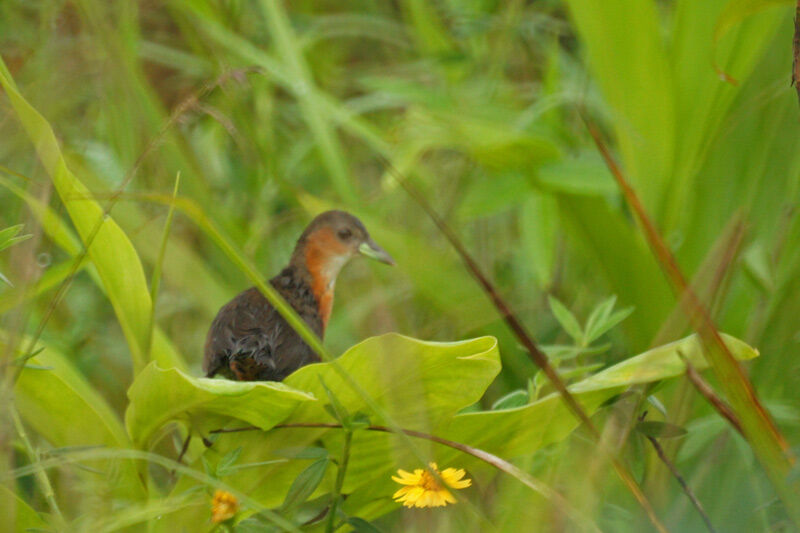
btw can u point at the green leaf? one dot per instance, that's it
(254, 525)
(566, 319)
(227, 461)
(159, 395)
(111, 251)
(738, 10)
(7, 239)
(305, 484)
(335, 408)
(9, 232)
(419, 383)
(584, 175)
(304, 452)
(539, 225)
(598, 316)
(486, 195)
(602, 319)
(660, 430)
(10, 237)
(627, 59)
(513, 432)
(416, 382)
(24, 517)
(360, 525)
(564, 352)
(63, 408)
(358, 421)
(516, 398)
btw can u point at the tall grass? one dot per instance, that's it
(479, 105)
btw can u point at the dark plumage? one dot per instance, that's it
(250, 341)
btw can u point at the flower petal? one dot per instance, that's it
(406, 478)
(447, 496)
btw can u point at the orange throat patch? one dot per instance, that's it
(325, 255)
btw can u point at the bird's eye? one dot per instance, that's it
(345, 234)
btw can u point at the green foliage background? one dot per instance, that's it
(273, 111)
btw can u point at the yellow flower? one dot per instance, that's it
(422, 489)
(224, 505)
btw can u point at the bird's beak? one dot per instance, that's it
(371, 249)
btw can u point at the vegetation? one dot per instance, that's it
(159, 157)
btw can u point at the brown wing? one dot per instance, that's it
(250, 341)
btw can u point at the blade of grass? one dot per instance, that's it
(41, 476)
(290, 50)
(155, 281)
(767, 443)
(276, 71)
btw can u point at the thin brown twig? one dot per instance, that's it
(526, 339)
(682, 482)
(708, 393)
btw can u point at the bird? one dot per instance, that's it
(250, 341)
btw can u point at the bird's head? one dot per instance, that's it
(331, 240)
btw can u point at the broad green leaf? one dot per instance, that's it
(18, 516)
(737, 10)
(158, 396)
(627, 58)
(513, 432)
(64, 409)
(417, 382)
(111, 251)
(522, 430)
